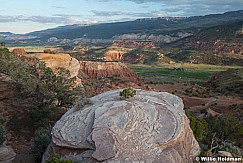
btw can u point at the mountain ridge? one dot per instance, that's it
(148, 26)
(160, 30)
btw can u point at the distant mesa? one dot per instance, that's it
(150, 127)
(96, 70)
(135, 44)
(113, 55)
(55, 61)
(49, 51)
(19, 51)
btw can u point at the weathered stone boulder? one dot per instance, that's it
(7, 154)
(151, 128)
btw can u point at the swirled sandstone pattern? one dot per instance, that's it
(149, 128)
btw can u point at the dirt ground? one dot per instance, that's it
(219, 104)
(24, 158)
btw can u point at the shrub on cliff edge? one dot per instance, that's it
(41, 141)
(127, 93)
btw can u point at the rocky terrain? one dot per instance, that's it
(227, 82)
(135, 44)
(113, 55)
(7, 154)
(221, 45)
(150, 127)
(97, 70)
(161, 29)
(19, 51)
(217, 47)
(55, 61)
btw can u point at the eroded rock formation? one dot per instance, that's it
(135, 44)
(49, 51)
(59, 60)
(217, 46)
(19, 51)
(151, 127)
(107, 69)
(113, 55)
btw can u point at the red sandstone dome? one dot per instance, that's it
(19, 51)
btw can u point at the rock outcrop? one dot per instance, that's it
(59, 60)
(7, 154)
(107, 69)
(19, 51)
(134, 58)
(54, 61)
(113, 55)
(49, 51)
(135, 44)
(151, 127)
(217, 46)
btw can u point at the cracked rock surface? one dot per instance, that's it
(151, 127)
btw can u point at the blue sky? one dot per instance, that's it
(22, 16)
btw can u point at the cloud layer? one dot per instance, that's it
(55, 19)
(130, 14)
(189, 7)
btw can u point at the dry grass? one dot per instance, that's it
(51, 57)
(35, 49)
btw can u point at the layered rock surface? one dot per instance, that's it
(19, 51)
(7, 154)
(54, 61)
(59, 60)
(151, 128)
(113, 55)
(135, 44)
(107, 69)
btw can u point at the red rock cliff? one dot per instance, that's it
(113, 55)
(107, 69)
(19, 51)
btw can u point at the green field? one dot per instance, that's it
(183, 73)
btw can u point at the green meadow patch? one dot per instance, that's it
(176, 72)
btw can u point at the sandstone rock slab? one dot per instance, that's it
(150, 127)
(7, 154)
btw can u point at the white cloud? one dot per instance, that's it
(125, 14)
(189, 7)
(55, 19)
